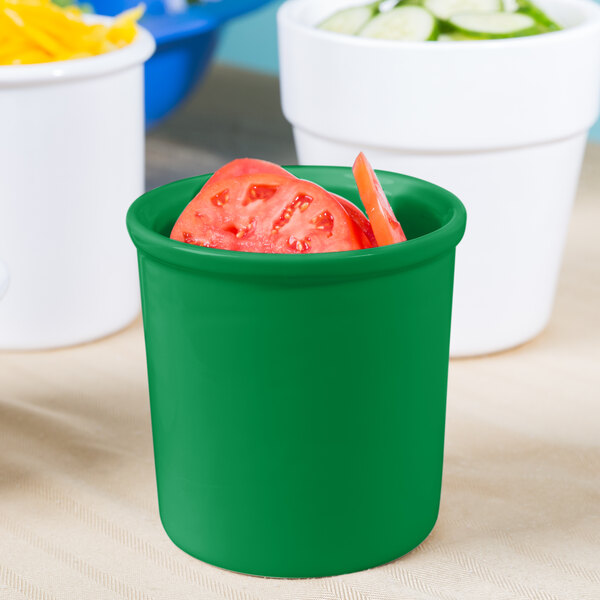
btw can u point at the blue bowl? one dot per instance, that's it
(185, 43)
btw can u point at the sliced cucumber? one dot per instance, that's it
(406, 23)
(456, 36)
(495, 25)
(526, 7)
(444, 9)
(386, 5)
(350, 20)
(410, 3)
(446, 20)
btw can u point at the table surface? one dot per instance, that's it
(520, 512)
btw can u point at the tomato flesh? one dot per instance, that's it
(248, 166)
(386, 228)
(267, 212)
(367, 236)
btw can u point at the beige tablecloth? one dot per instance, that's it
(520, 514)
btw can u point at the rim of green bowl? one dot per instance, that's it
(148, 210)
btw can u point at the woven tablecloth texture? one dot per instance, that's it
(520, 512)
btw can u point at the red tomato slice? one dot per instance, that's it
(267, 213)
(360, 220)
(247, 166)
(386, 228)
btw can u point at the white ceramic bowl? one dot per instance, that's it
(71, 162)
(3, 279)
(501, 123)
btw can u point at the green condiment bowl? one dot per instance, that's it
(298, 401)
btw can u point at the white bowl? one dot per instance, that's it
(71, 162)
(3, 279)
(501, 123)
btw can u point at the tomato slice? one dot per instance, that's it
(267, 213)
(386, 228)
(247, 166)
(360, 220)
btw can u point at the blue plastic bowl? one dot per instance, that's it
(185, 43)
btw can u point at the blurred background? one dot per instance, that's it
(238, 45)
(243, 31)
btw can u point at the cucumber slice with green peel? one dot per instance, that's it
(405, 23)
(496, 25)
(350, 20)
(526, 7)
(444, 9)
(446, 20)
(410, 3)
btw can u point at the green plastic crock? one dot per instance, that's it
(298, 401)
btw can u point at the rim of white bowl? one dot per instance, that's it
(137, 52)
(590, 23)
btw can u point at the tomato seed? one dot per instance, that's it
(324, 221)
(242, 231)
(299, 245)
(303, 202)
(261, 192)
(221, 198)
